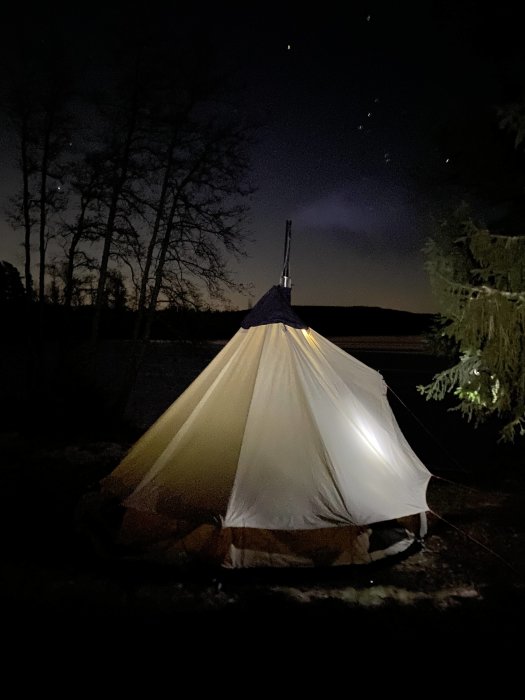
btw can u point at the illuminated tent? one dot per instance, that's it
(283, 452)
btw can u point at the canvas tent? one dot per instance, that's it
(283, 452)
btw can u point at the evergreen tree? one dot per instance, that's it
(478, 278)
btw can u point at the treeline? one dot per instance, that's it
(118, 321)
(204, 325)
(132, 170)
(132, 175)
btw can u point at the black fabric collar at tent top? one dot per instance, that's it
(273, 307)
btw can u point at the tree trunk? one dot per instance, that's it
(153, 241)
(42, 227)
(108, 236)
(140, 341)
(43, 213)
(70, 271)
(26, 213)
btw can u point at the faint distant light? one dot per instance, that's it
(447, 160)
(289, 46)
(368, 18)
(360, 127)
(59, 187)
(71, 143)
(376, 100)
(369, 114)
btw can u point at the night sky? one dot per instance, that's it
(353, 103)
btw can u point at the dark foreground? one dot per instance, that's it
(461, 585)
(463, 590)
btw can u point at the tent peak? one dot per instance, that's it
(273, 307)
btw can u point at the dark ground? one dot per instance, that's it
(464, 589)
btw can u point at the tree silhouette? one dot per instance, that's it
(12, 290)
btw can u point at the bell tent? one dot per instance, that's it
(283, 452)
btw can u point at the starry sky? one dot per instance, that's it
(352, 98)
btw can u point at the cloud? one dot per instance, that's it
(366, 214)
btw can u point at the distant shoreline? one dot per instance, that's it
(387, 343)
(372, 343)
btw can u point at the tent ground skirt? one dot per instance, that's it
(148, 536)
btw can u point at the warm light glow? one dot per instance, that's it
(309, 337)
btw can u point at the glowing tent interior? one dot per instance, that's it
(283, 452)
